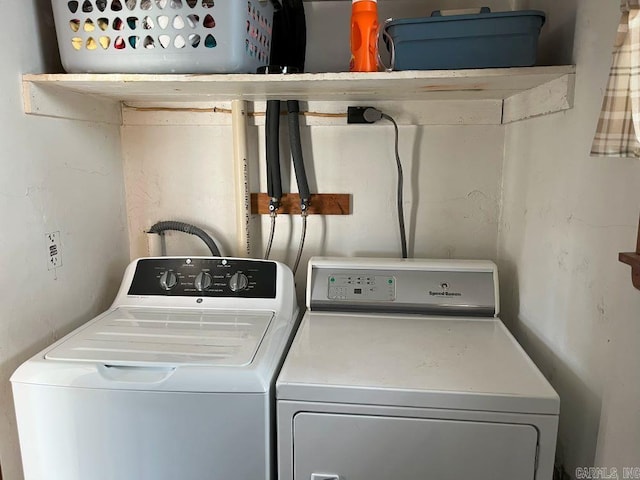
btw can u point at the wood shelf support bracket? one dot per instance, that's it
(633, 259)
(50, 100)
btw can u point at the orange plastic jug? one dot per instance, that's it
(364, 36)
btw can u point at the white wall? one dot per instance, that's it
(569, 301)
(56, 176)
(452, 188)
(183, 174)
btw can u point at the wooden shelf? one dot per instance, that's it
(633, 259)
(525, 92)
(411, 85)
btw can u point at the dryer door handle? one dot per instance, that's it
(325, 476)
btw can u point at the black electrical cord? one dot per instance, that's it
(372, 115)
(162, 227)
(403, 234)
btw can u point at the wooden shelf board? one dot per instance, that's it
(498, 83)
(632, 259)
(322, 204)
(508, 94)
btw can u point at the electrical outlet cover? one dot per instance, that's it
(54, 259)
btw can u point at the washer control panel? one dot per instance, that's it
(204, 277)
(354, 286)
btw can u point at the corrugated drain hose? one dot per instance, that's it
(162, 227)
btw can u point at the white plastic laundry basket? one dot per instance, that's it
(163, 36)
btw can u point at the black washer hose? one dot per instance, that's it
(272, 128)
(162, 227)
(296, 150)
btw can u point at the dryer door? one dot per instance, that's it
(361, 447)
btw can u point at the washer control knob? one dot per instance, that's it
(168, 280)
(203, 281)
(238, 282)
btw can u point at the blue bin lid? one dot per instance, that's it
(485, 13)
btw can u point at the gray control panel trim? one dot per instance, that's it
(439, 310)
(409, 291)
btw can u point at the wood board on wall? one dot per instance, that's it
(321, 204)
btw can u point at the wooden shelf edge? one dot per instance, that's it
(632, 259)
(554, 70)
(526, 91)
(322, 204)
(489, 83)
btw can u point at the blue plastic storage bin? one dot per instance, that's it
(484, 40)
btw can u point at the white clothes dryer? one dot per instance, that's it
(401, 369)
(174, 381)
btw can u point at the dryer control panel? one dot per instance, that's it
(437, 287)
(354, 286)
(204, 277)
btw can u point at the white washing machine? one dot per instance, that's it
(174, 381)
(401, 369)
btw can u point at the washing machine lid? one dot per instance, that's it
(159, 337)
(413, 361)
